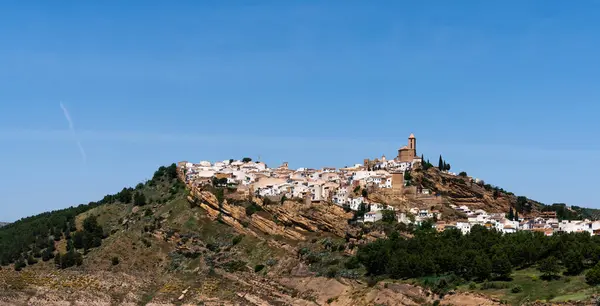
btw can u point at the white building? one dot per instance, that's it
(372, 216)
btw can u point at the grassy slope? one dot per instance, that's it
(567, 288)
(150, 255)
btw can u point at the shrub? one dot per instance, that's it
(493, 285)
(271, 262)
(237, 239)
(252, 208)
(352, 263)
(31, 260)
(115, 261)
(258, 268)
(234, 266)
(213, 247)
(331, 272)
(463, 174)
(592, 276)
(313, 258)
(516, 289)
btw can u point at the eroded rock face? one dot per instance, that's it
(312, 217)
(292, 220)
(228, 214)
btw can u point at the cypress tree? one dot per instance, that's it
(441, 164)
(516, 216)
(511, 214)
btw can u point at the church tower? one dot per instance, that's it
(412, 143)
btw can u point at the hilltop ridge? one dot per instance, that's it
(238, 232)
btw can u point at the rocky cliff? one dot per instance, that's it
(291, 219)
(463, 190)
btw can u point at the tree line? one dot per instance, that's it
(481, 254)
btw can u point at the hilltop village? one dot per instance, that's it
(349, 187)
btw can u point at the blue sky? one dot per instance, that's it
(506, 91)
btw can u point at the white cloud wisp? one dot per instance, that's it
(72, 128)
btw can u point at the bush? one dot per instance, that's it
(313, 258)
(463, 174)
(493, 285)
(352, 263)
(252, 208)
(115, 261)
(331, 272)
(234, 266)
(237, 239)
(516, 289)
(258, 268)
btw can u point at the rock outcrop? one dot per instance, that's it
(291, 220)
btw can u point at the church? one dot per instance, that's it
(409, 152)
(407, 155)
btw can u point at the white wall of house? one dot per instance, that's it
(372, 216)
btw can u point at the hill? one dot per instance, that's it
(3, 224)
(168, 243)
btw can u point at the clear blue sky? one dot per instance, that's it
(505, 90)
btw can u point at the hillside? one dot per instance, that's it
(463, 190)
(166, 243)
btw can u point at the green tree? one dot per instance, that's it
(511, 214)
(516, 216)
(501, 266)
(441, 164)
(407, 176)
(388, 216)
(246, 159)
(482, 267)
(124, 196)
(573, 261)
(592, 276)
(139, 199)
(522, 205)
(549, 267)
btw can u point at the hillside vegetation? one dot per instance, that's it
(31, 238)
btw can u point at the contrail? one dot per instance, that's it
(72, 128)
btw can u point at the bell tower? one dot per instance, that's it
(412, 144)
